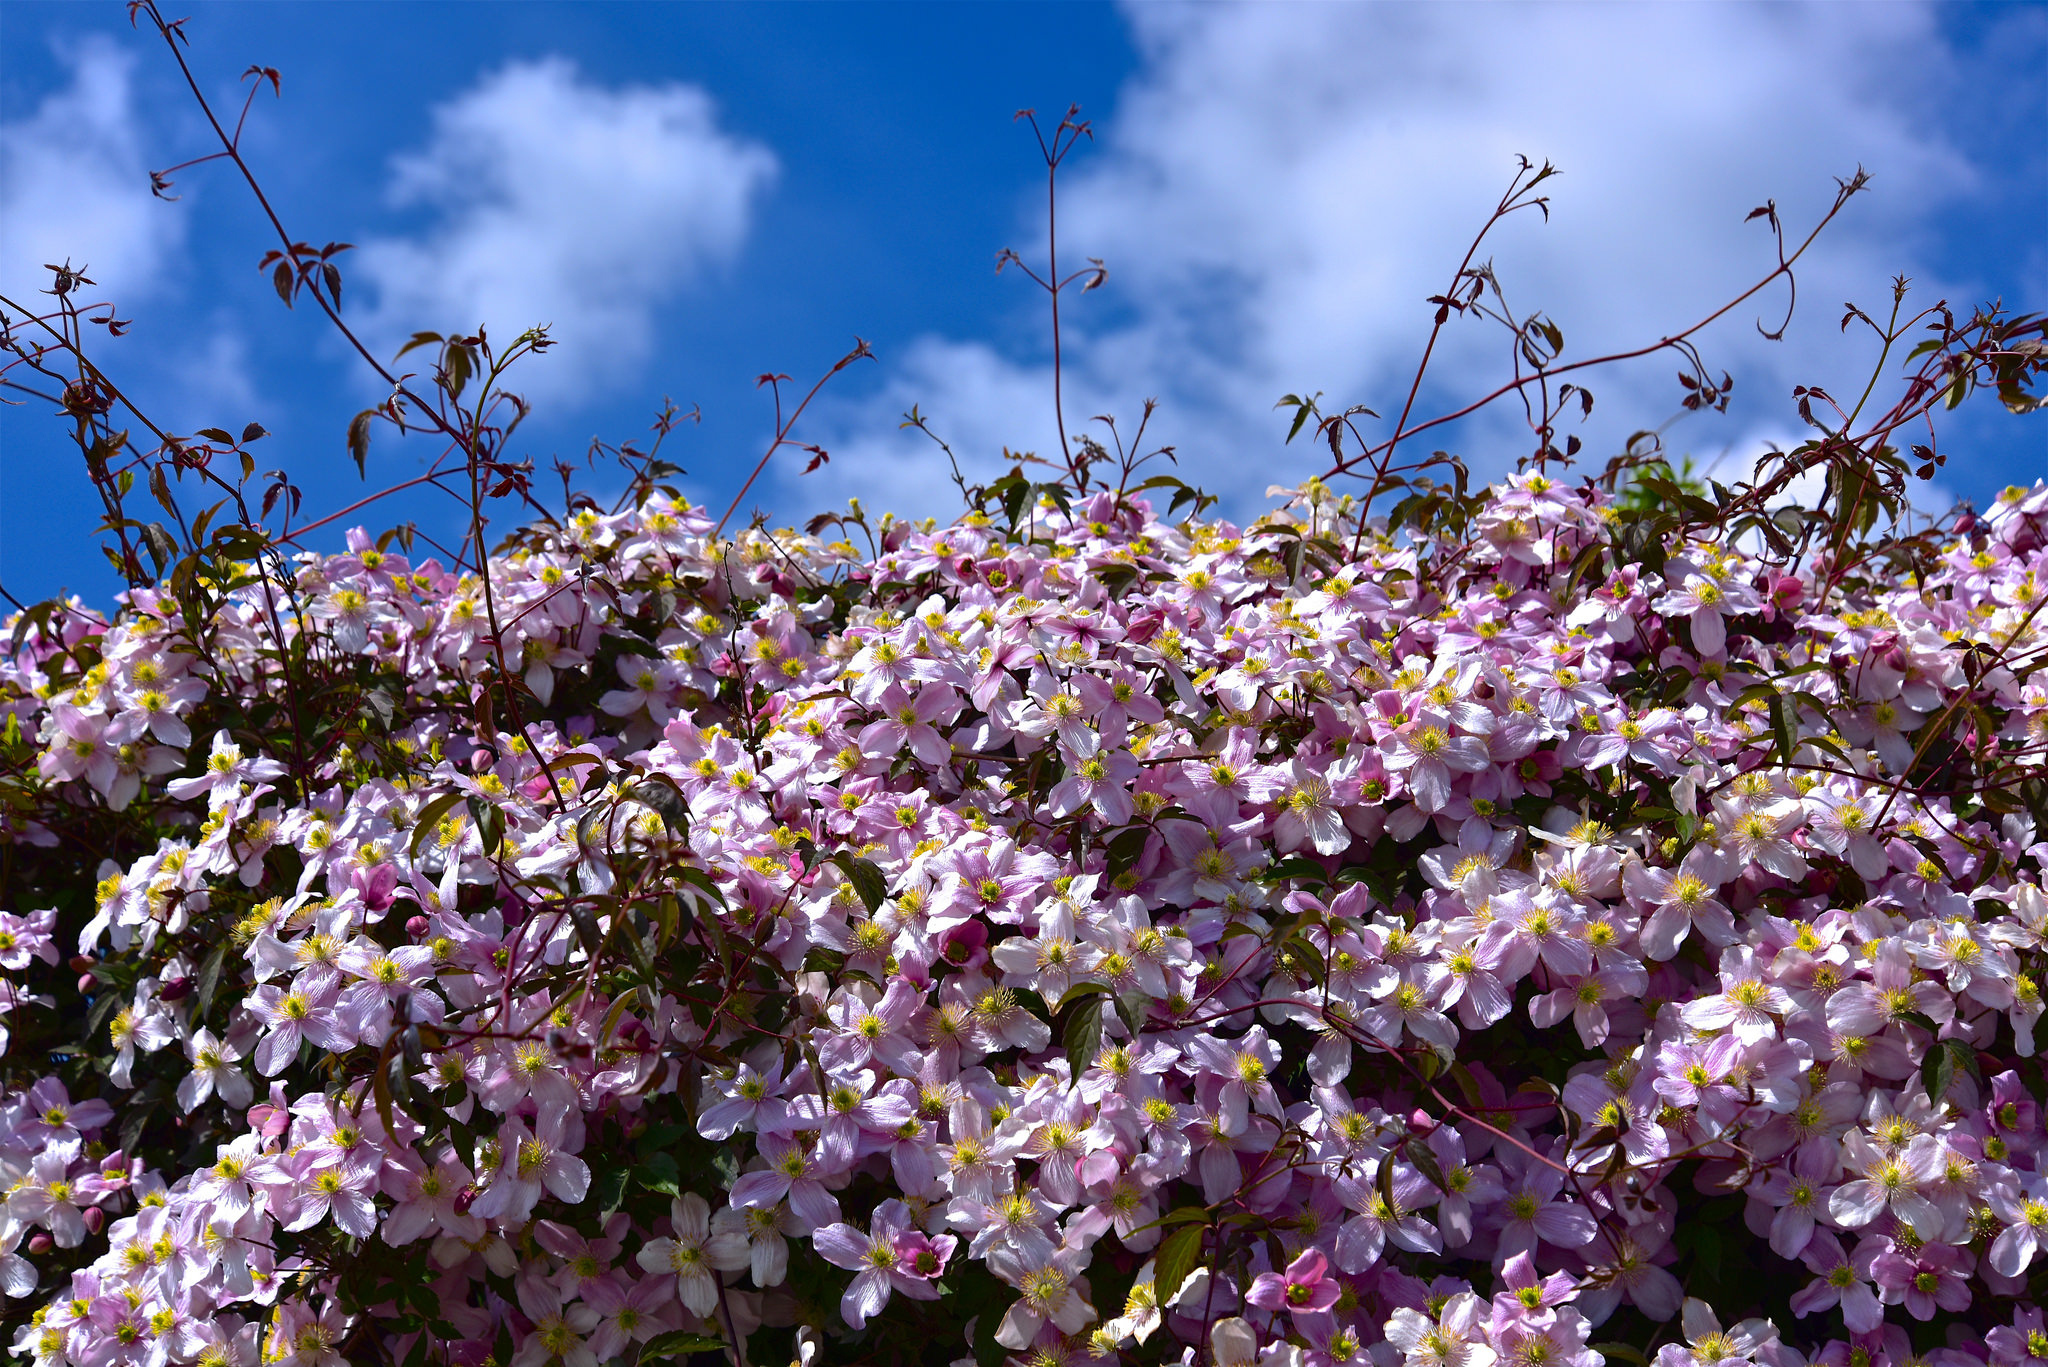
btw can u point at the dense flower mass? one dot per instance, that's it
(1583, 938)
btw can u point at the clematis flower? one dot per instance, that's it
(695, 1253)
(1890, 1181)
(534, 1160)
(879, 1264)
(1303, 1290)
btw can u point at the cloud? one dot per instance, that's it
(209, 381)
(555, 201)
(1280, 187)
(74, 184)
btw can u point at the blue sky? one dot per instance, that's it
(693, 195)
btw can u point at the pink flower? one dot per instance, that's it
(879, 1265)
(532, 1160)
(1837, 1282)
(1305, 1288)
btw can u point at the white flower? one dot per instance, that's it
(695, 1254)
(213, 1072)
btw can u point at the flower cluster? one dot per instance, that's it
(1099, 938)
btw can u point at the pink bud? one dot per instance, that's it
(86, 982)
(416, 927)
(39, 1243)
(1420, 1121)
(95, 1219)
(464, 1199)
(270, 1118)
(177, 989)
(1964, 524)
(376, 885)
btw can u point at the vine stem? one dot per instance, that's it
(1848, 189)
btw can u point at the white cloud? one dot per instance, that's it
(208, 382)
(74, 184)
(976, 400)
(1280, 187)
(556, 201)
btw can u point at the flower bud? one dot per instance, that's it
(416, 927)
(39, 1243)
(95, 1219)
(177, 989)
(812, 990)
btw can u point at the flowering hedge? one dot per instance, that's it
(1597, 931)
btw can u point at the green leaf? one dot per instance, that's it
(660, 792)
(1082, 1035)
(867, 879)
(587, 929)
(1178, 1255)
(1176, 1217)
(1294, 866)
(1126, 848)
(1938, 1070)
(701, 881)
(1754, 693)
(1425, 1162)
(1134, 1007)
(423, 1299)
(429, 818)
(490, 824)
(209, 974)
(610, 1188)
(1707, 1251)
(419, 339)
(823, 960)
(987, 1352)
(1302, 956)
(660, 1173)
(1468, 1086)
(680, 1343)
(380, 1087)
(1781, 727)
